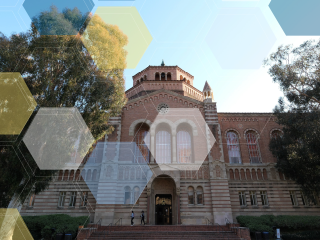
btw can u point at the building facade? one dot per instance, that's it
(236, 176)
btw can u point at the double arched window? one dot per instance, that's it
(163, 147)
(184, 150)
(199, 196)
(131, 197)
(233, 147)
(253, 147)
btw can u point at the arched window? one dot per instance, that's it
(265, 174)
(157, 76)
(136, 192)
(199, 195)
(71, 175)
(276, 133)
(184, 151)
(145, 77)
(66, 175)
(163, 147)
(77, 175)
(94, 175)
(181, 77)
(248, 174)
(141, 79)
(190, 195)
(83, 175)
(242, 175)
(142, 139)
(231, 174)
(163, 76)
(168, 76)
(233, 147)
(127, 195)
(60, 175)
(88, 178)
(253, 147)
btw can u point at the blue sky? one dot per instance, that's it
(223, 42)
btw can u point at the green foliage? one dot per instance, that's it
(257, 224)
(297, 70)
(53, 22)
(305, 235)
(264, 223)
(61, 223)
(60, 72)
(297, 222)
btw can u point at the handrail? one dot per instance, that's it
(219, 227)
(208, 221)
(227, 221)
(120, 221)
(94, 228)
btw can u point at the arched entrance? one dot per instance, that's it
(163, 201)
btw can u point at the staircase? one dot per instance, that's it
(171, 232)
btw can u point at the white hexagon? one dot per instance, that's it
(115, 173)
(180, 139)
(58, 138)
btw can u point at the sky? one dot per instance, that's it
(222, 42)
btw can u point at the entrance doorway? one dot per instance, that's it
(163, 209)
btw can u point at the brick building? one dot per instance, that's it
(236, 177)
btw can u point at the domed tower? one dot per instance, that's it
(207, 92)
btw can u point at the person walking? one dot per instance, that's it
(142, 218)
(132, 217)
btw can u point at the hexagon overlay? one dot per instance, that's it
(240, 38)
(12, 225)
(130, 23)
(296, 17)
(16, 103)
(116, 173)
(58, 138)
(58, 24)
(186, 126)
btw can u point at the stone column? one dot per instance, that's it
(174, 147)
(178, 205)
(152, 148)
(148, 204)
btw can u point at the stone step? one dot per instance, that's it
(167, 228)
(162, 235)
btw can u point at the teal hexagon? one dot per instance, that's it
(131, 24)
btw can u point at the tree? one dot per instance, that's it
(59, 72)
(297, 70)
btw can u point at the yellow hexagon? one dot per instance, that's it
(12, 225)
(16, 103)
(131, 24)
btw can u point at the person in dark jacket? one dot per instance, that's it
(132, 217)
(142, 218)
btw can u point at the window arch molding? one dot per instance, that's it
(187, 122)
(159, 123)
(135, 123)
(251, 129)
(232, 130)
(275, 129)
